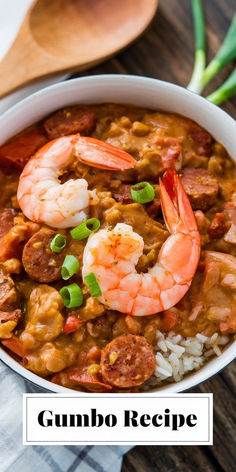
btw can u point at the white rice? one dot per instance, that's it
(176, 355)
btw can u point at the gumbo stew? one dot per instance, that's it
(111, 279)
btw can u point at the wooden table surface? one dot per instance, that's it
(166, 52)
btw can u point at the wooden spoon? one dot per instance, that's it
(71, 35)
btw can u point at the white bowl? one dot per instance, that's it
(141, 91)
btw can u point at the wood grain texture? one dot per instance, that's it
(166, 52)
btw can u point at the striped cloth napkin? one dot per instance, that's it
(14, 457)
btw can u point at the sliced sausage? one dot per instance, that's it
(9, 297)
(6, 316)
(76, 119)
(202, 139)
(217, 227)
(6, 221)
(201, 187)
(153, 208)
(124, 194)
(170, 151)
(18, 151)
(39, 261)
(127, 361)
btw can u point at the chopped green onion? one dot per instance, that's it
(195, 84)
(93, 284)
(85, 229)
(58, 243)
(70, 267)
(226, 54)
(142, 192)
(72, 296)
(227, 90)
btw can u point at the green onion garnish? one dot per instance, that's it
(142, 192)
(72, 296)
(58, 243)
(85, 229)
(93, 284)
(70, 267)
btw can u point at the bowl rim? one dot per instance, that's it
(216, 364)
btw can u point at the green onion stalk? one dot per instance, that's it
(195, 84)
(202, 76)
(226, 91)
(226, 54)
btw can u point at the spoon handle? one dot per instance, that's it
(25, 62)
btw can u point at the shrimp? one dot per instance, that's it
(41, 196)
(113, 254)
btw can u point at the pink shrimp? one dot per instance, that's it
(113, 254)
(44, 199)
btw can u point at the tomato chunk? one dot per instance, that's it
(228, 327)
(90, 382)
(6, 221)
(169, 320)
(72, 323)
(17, 152)
(94, 354)
(15, 345)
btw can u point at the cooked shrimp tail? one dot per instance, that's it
(40, 193)
(113, 255)
(103, 155)
(181, 251)
(176, 208)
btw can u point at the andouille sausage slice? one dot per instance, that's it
(6, 221)
(202, 139)
(14, 315)
(70, 120)
(217, 227)
(9, 297)
(124, 194)
(39, 261)
(127, 361)
(201, 187)
(18, 151)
